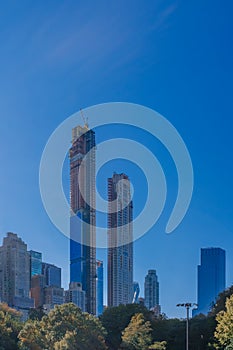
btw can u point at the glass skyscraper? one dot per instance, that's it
(120, 241)
(52, 275)
(211, 278)
(100, 287)
(83, 215)
(35, 263)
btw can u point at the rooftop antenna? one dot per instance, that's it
(85, 119)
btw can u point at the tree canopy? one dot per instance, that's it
(137, 335)
(224, 329)
(10, 326)
(65, 327)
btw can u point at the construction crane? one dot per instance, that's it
(85, 119)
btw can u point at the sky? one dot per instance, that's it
(172, 56)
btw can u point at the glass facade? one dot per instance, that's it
(35, 263)
(211, 278)
(52, 275)
(83, 216)
(100, 288)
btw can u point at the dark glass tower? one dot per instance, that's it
(211, 278)
(83, 215)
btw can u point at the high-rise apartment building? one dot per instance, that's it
(35, 263)
(151, 290)
(53, 296)
(100, 287)
(52, 275)
(15, 273)
(83, 214)
(76, 295)
(211, 278)
(120, 238)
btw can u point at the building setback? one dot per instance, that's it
(120, 238)
(83, 215)
(211, 275)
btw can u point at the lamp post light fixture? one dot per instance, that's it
(187, 306)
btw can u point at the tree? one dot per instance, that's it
(137, 335)
(32, 336)
(10, 326)
(170, 330)
(116, 319)
(36, 314)
(224, 329)
(158, 345)
(65, 327)
(220, 304)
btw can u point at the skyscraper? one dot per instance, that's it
(100, 287)
(52, 275)
(15, 273)
(120, 238)
(35, 263)
(83, 215)
(76, 295)
(151, 290)
(211, 278)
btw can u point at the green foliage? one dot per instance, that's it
(137, 335)
(65, 327)
(36, 314)
(230, 345)
(158, 345)
(32, 336)
(220, 304)
(224, 329)
(10, 326)
(170, 330)
(116, 319)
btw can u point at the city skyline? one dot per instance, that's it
(58, 58)
(210, 283)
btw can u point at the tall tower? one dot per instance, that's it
(120, 238)
(14, 269)
(15, 274)
(151, 290)
(83, 214)
(100, 288)
(211, 275)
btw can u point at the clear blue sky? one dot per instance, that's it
(172, 56)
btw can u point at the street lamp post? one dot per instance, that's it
(187, 306)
